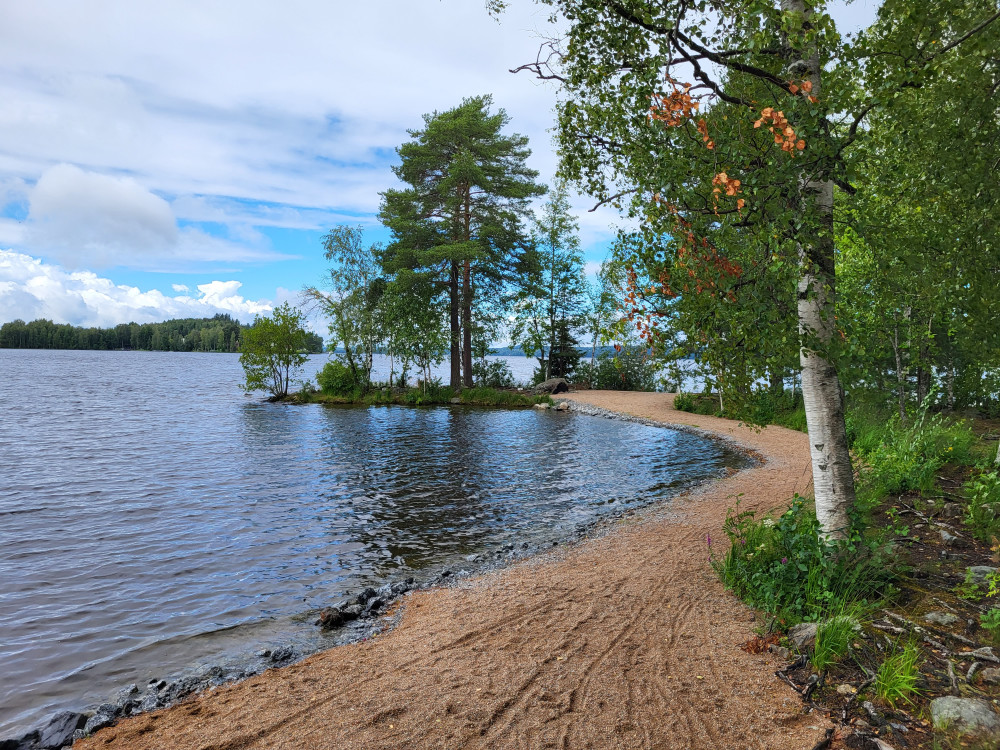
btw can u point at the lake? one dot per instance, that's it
(153, 518)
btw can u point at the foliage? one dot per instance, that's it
(785, 568)
(983, 508)
(551, 291)
(990, 621)
(272, 350)
(897, 677)
(684, 402)
(631, 369)
(492, 373)
(353, 299)
(761, 408)
(337, 379)
(220, 333)
(907, 456)
(457, 226)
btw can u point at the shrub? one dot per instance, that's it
(492, 374)
(784, 568)
(336, 379)
(990, 622)
(983, 510)
(631, 369)
(897, 676)
(684, 402)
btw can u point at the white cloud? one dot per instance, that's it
(180, 287)
(30, 289)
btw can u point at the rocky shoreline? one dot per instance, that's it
(354, 618)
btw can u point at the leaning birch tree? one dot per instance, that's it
(712, 122)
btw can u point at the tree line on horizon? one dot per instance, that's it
(220, 333)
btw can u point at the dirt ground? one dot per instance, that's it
(623, 641)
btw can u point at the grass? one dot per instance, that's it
(897, 677)
(760, 408)
(833, 639)
(432, 396)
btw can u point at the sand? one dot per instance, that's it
(626, 640)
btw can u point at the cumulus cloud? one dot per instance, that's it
(180, 287)
(31, 288)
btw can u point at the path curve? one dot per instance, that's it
(623, 641)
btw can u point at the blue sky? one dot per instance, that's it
(185, 158)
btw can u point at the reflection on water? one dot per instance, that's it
(147, 507)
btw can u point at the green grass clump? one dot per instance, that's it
(783, 567)
(983, 509)
(833, 640)
(897, 677)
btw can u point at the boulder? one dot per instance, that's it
(562, 406)
(803, 635)
(59, 731)
(99, 720)
(965, 716)
(552, 386)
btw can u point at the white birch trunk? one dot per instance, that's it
(833, 478)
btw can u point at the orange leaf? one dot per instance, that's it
(813, 99)
(740, 203)
(807, 86)
(793, 88)
(800, 145)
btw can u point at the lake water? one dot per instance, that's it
(153, 517)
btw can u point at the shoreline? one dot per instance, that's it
(470, 609)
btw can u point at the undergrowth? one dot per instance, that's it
(896, 679)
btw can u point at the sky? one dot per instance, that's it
(162, 160)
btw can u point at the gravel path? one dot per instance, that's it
(623, 641)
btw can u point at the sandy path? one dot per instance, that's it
(624, 641)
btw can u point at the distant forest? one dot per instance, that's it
(218, 334)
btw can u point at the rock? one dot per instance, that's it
(948, 539)
(562, 406)
(27, 742)
(151, 702)
(98, 721)
(552, 386)
(542, 406)
(990, 676)
(978, 574)
(941, 618)
(846, 689)
(456, 400)
(472, 558)
(374, 605)
(266, 652)
(964, 715)
(329, 618)
(873, 715)
(803, 635)
(780, 651)
(284, 653)
(353, 611)
(126, 698)
(59, 731)
(364, 596)
(951, 510)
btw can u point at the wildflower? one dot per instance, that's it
(768, 523)
(708, 538)
(750, 556)
(784, 560)
(743, 542)
(760, 547)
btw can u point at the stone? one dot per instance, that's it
(151, 702)
(978, 574)
(990, 676)
(126, 697)
(59, 731)
(364, 596)
(941, 618)
(803, 635)
(952, 510)
(543, 407)
(98, 721)
(846, 689)
(562, 406)
(456, 400)
(27, 742)
(780, 651)
(947, 538)
(964, 715)
(329, 618)
(284, 653)
(552, 386)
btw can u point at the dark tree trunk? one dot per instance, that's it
(456, 348)
(467, 324)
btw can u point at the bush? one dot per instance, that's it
(492, 374)
(784, 568)
(630, 370)
(983, 510)
(336, 379)
(684, 402)
(907, 457)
